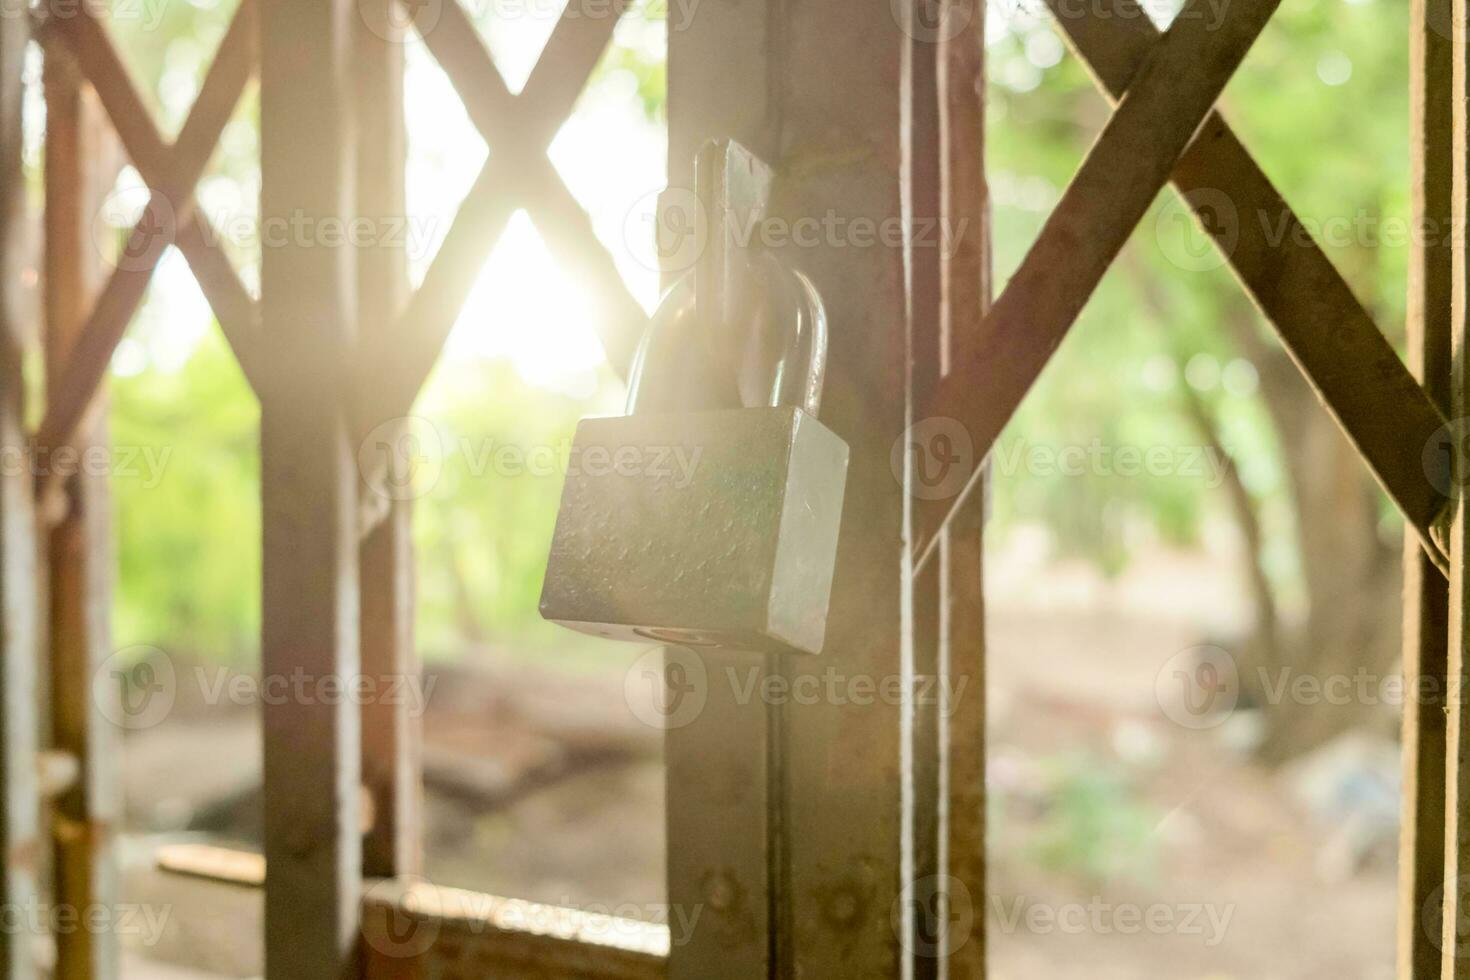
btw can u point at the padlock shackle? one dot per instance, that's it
(809, 372)
(671, 372)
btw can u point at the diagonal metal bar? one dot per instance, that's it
(519, 129)
(456, 44)
(234, 307)
(171, 174)
(560, 75)
(1362, 383)
(1170, 96)
(397, 362)
(567, 229)
(398, 365)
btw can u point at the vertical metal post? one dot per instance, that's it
(391, 735)
(722, 767)
(1426, 597)
(920, 916)
(1455, 941)
(310, 611)
(850, 798)
(965, 285)
(19, 806)
(851, 129)
(86, 816)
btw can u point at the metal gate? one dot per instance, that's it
(817, 838)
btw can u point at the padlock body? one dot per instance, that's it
(714, 528)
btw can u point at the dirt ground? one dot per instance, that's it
(1122, 844)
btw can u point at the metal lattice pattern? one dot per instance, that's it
(172, 173)
(518, 174)
(1166, 129)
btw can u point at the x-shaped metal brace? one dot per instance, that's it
(519, 129)
(1164, 128)
(171, 172)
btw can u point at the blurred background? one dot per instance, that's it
(1254, 530)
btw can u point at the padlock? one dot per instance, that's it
(711, 526)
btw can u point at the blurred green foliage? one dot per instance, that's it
(1322, 102)
(1093, 823)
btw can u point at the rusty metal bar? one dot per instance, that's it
(1170, 95)
(923, 878)
(19, 631)
(1426, 598)
(79, 560)
(310, 598)
(392, 736)
(218, 864)
(418, 931)
(722, 762)
(965, 286)
(1352, 367)
(1454, 942)
(848, 813)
